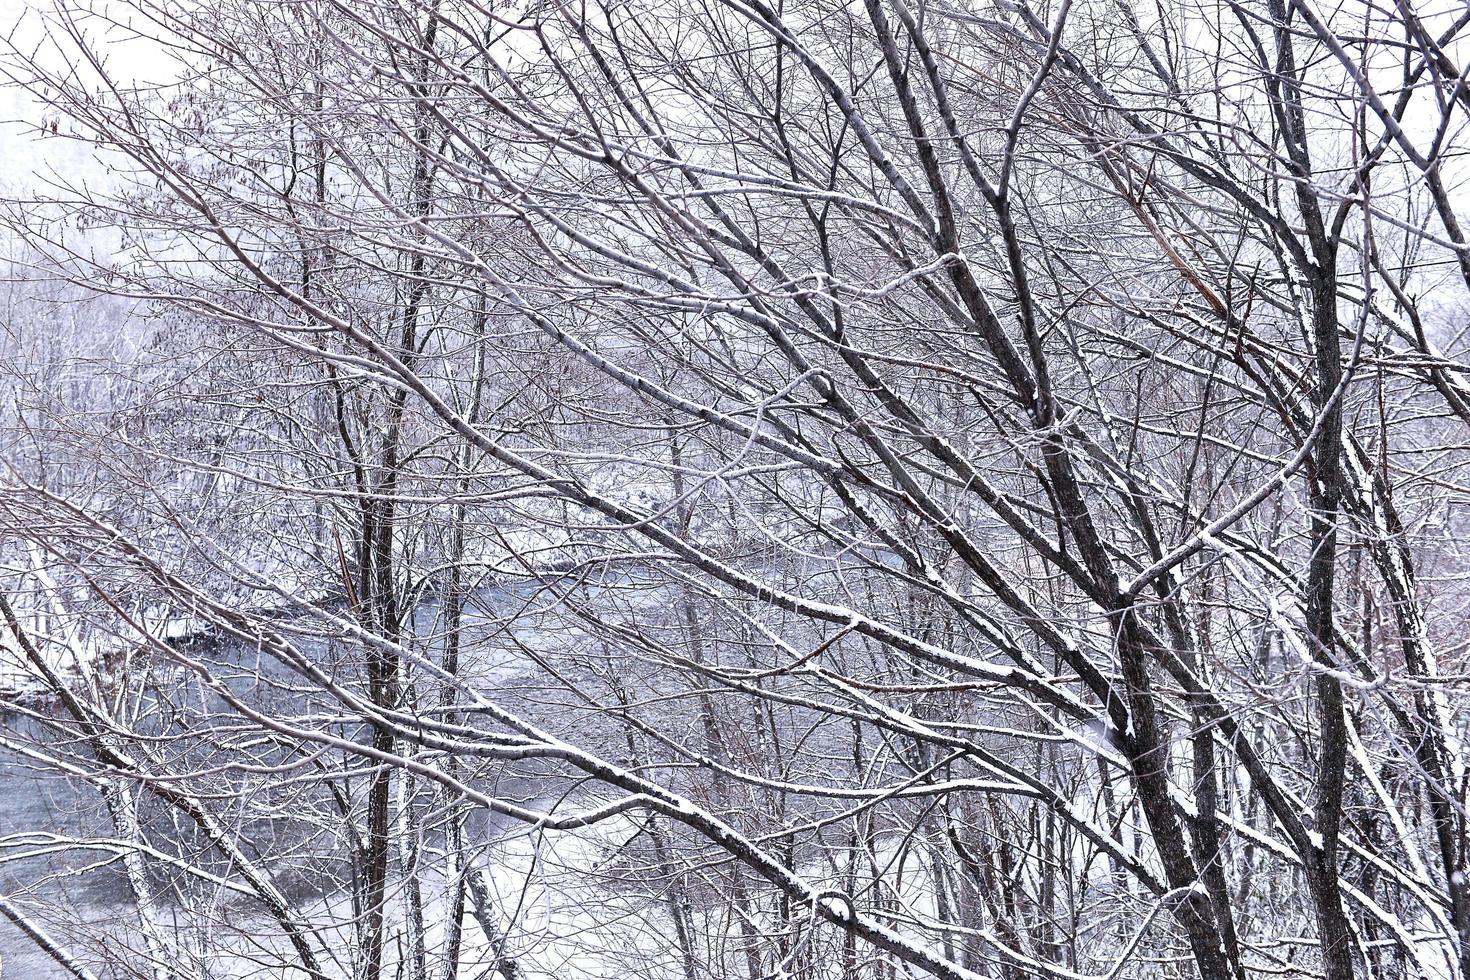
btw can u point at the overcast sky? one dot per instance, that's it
(29, 157)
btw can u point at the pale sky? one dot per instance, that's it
(26, 154)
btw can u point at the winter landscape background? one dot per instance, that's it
(734, 489)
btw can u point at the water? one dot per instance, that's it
(43, 803)
(493, 661)
(89, 887)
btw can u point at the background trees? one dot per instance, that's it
(943, 489)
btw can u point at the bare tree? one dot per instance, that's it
(958, 489)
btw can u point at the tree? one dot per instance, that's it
(965, 486)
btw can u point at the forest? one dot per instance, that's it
(735, 490)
